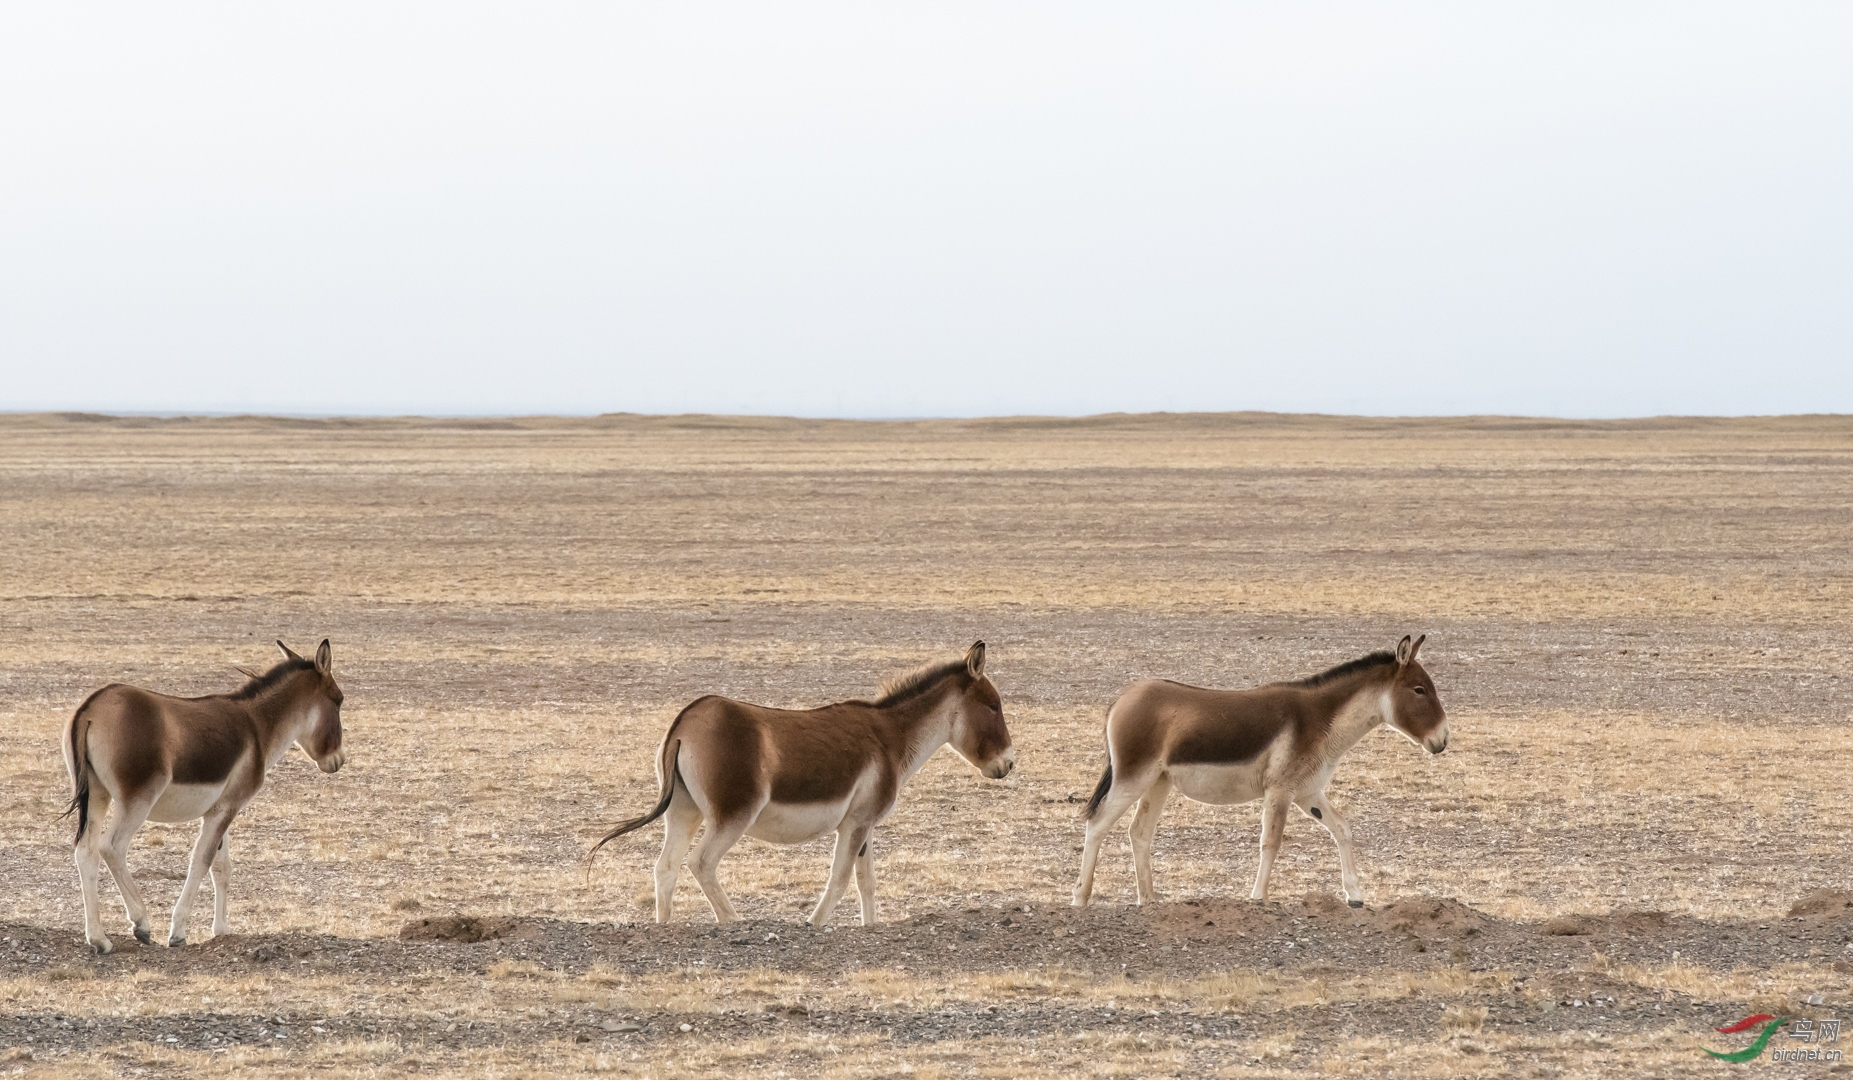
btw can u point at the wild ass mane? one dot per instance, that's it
(916, 682)
(258, 683)
(1379, 658)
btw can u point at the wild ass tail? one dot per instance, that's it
(1106, 777)
(1100, 791)
(671, 771)
(77, 760)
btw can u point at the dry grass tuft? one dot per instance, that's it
(1461, 1020)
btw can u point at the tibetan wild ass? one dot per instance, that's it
(180, 759)
(1279, 743)
(787, 776)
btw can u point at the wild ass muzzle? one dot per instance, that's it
(787, 776)
(183, 759)
(1279, 743)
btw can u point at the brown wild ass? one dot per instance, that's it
(787, 776)
(1279, 743)
(178, 759)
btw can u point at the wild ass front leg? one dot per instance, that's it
(1326, 814)
(849, 840)
(1144, 827)
(1273, 825)
(865, 879)
(211, 830)
(222, 887)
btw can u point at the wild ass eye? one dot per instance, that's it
(1421, 691)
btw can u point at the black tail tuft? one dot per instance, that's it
(1100, 791)
(80, 772)
(80, 804)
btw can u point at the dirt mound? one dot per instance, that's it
(1823, 904)
(1566, 926)
(1324, 904)
(1639, 922)
(461, 929)
(1228, 913)
(1434, 913)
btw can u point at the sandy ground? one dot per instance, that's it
(1639, 629)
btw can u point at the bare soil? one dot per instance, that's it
(1638, 833)
(1317, 936)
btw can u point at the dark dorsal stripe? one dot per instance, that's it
(916, 682)
(1380, 658)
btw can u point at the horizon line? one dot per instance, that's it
(94, 415)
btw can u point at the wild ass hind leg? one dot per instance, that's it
(211, 830)
(719, 838)
(131, 814)
(1273, 826)
(865, 879)
(849, 840)
(1120, 798)
(679, 827)
(222, 886)
(88, 856)
(1144, 827)
(1326, 814)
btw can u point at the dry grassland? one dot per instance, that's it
(1640, 631)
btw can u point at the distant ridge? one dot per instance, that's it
(1181, 421)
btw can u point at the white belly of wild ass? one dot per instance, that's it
(1223, 785)
(795, 823)
(185, 802)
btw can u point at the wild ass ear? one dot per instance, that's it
(1404, 652)
(324, 658)
(1416, 644)
(974, 660)
(288, 653)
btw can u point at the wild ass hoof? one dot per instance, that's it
(1355, 903)
(176, 942)
(144, 935)
(101, 946)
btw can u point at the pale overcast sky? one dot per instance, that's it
(1605, 209)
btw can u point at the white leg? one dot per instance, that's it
(865, 879)
(679, 826)
(719, 838)
(221, 886)
(1273, 824)
(1326, 814)
(89, 860)
(1144, 826)
(114, 847)
(848, 842)
(211, 830)
(1120, 798)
